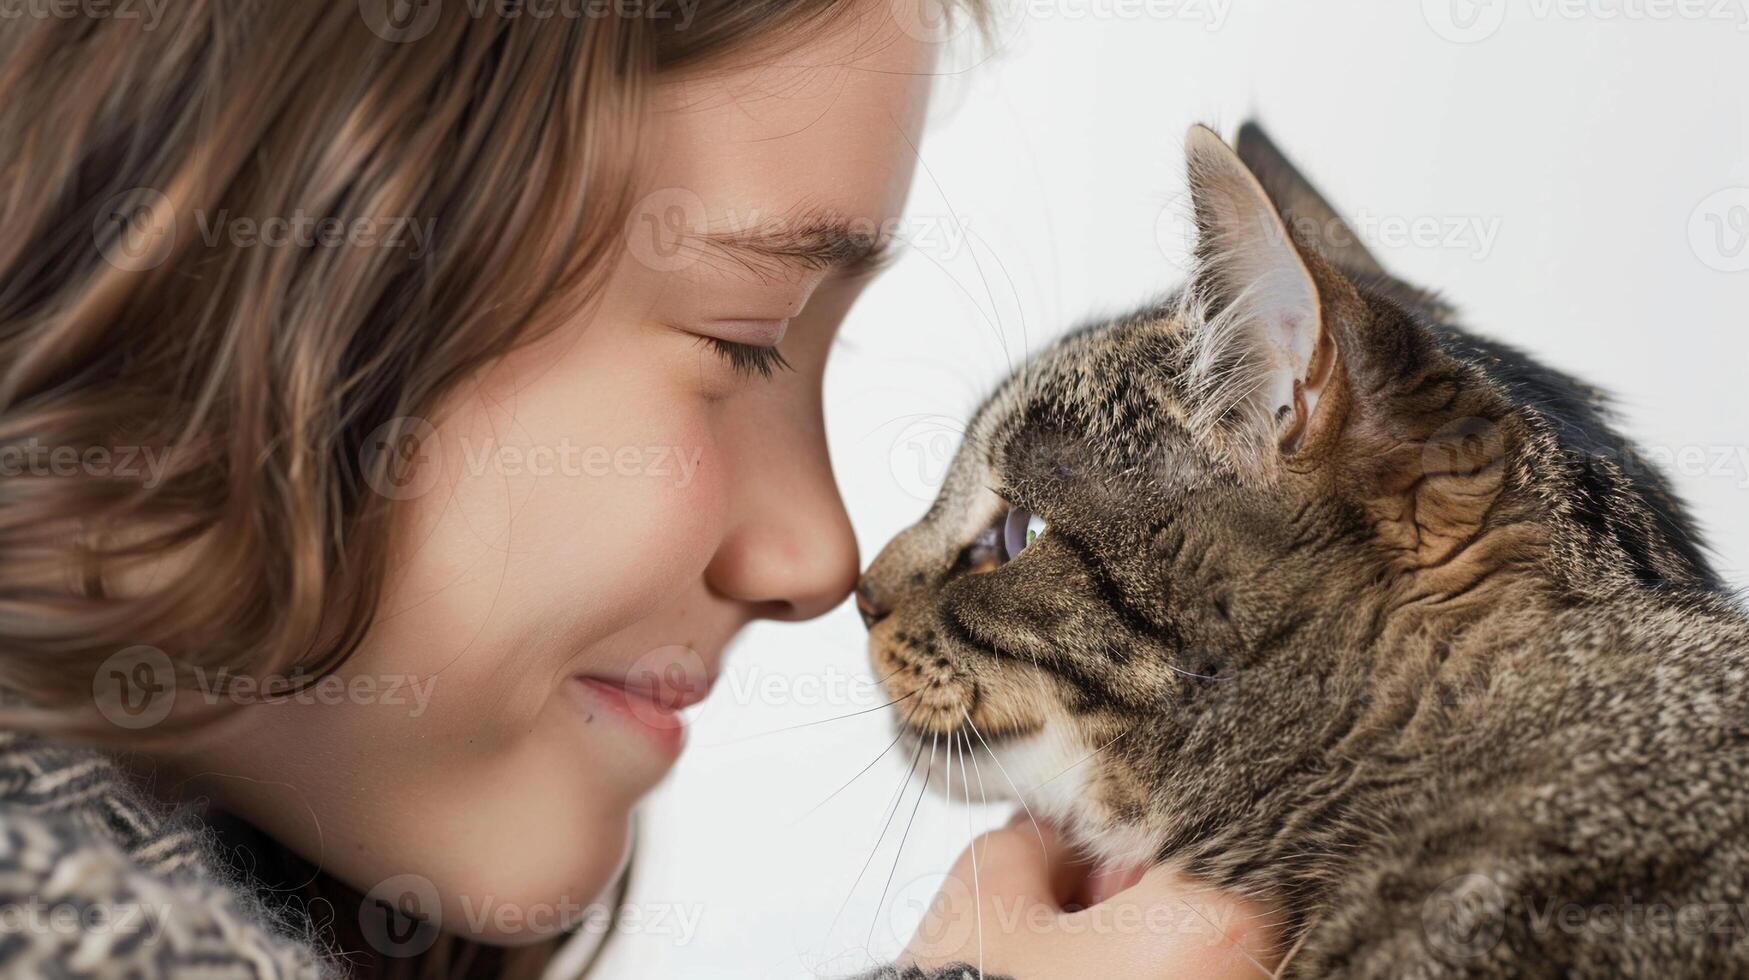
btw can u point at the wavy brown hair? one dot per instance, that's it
(175, 400)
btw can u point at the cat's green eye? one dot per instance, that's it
(1021, 529)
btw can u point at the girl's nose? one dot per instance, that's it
(792, 554)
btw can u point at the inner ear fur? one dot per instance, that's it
(1265, 310)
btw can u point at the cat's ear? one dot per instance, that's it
(1262, 355)
(1301, 206)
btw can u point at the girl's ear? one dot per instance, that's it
(1262, 355)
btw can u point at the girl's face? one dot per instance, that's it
(585, 526)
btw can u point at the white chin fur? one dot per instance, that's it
(1054, 772)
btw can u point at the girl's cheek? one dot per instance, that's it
(651, 527)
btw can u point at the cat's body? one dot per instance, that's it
(1339, 607)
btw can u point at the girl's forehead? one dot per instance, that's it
(830, 127)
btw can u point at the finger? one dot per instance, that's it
(1003, 878)
(1204, 930)
(1023, 861)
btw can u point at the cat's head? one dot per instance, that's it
(1172, 532)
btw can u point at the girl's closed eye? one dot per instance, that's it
(748, 359)
(748, 345)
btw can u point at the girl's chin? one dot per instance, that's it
(540, 906)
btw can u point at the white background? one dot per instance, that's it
(1573, 147)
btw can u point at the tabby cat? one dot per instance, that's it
(1294, 584)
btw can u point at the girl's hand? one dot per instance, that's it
(1010, 920)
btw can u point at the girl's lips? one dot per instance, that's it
(651, 703)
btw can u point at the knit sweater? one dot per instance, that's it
(96, 880)
(99, 881)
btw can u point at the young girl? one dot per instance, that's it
(403, 404)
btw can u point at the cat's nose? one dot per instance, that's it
(868, 604)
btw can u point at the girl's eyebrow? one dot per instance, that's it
(836, 244)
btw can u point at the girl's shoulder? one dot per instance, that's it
(96, 880)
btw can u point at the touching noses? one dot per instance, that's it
(791, 553)
(869, 604)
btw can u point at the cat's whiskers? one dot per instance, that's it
(899, 854)
(1004, 770)
(1201, 677)
(1254, 961)
(898, 797)
(807, 724)
(1001, 340)
(977, 891)
(909, 712)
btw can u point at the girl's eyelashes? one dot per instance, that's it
(748, 360)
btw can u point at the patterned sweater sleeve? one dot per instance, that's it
(95, 882)
(953, 971)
